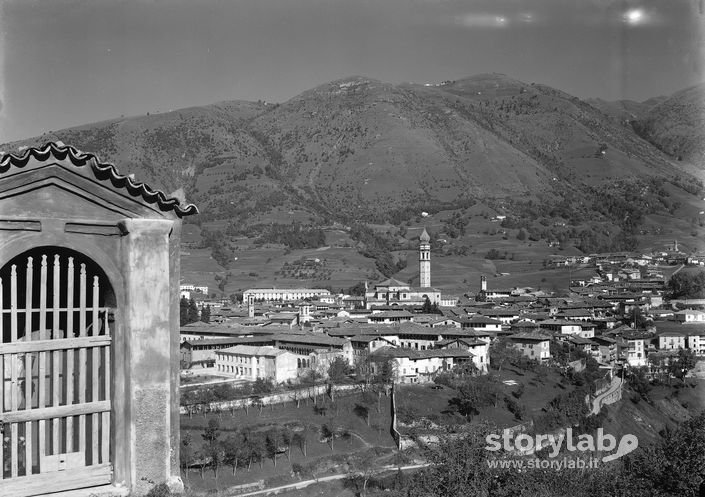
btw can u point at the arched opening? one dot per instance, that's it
(56, 263)
(58, 310)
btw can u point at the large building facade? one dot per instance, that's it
(282, 294)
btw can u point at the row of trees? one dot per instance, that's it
(241, 448)
(190, 313)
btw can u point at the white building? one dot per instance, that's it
(194, 288)
(532, 345)
(636, 351)
(249, 362)
(281, 294)
(420, 366)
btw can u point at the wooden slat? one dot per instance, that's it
(41, 376)
(14, 367)
(58, 481)
(2, 331)
(2, 401)
(56, 361)
(69, 353)
(29, 275)
(95, 373)
(43, 298)
(13, 303)
(107, 374)
(57, 412)
(50, 345)
(82, 358)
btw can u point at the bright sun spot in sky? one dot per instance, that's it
(634, 16)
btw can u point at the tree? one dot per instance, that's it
(287, 439)
(183, 311)
(357, 290)
(363, 412)
(212, 448)
(262, 386)
(186, 453)
(338, 370)
(273, 441)
(686, 285)
(685, 362)
(502, 353)
(206, 313)
(675, 466)
(255, 447)
(463, 406)
(192, 311)
(360, 470)
(234, 450)
(300, 438)
(328, 432)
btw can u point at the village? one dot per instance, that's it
(620, 316)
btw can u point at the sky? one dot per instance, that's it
(70, 62)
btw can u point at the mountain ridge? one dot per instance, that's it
(361, 150)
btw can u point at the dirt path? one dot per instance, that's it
(303, 484)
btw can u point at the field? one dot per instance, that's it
(340, 414)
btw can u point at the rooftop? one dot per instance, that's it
(102, 171)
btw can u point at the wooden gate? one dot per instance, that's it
(55, 373)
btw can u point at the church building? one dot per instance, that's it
(392, 292)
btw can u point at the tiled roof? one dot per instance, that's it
(529, 336)
(102, 171)
(253, 351)
(392, 282)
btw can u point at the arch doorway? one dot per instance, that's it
(58, 310)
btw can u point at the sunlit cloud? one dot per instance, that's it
(639, 17)
(482, 21)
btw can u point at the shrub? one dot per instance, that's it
(161, 490)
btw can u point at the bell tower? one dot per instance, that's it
(424, 260)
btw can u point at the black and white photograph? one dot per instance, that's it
(352, 248)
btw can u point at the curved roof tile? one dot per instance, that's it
(101, 170)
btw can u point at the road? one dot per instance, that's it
(303, 484)
(597, 402)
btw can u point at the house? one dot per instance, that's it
(203, 351)
(249, 362)
(637, 348)
(388, 317)
(580, 343)
(505, 316)
(690, 316)
(604, 349)
(306, 344)
(671, 340)
(532, 345)
(478, 322)
(480, 350)
(420, 366)
(696, 341)
(363, 345)
(561, 326)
